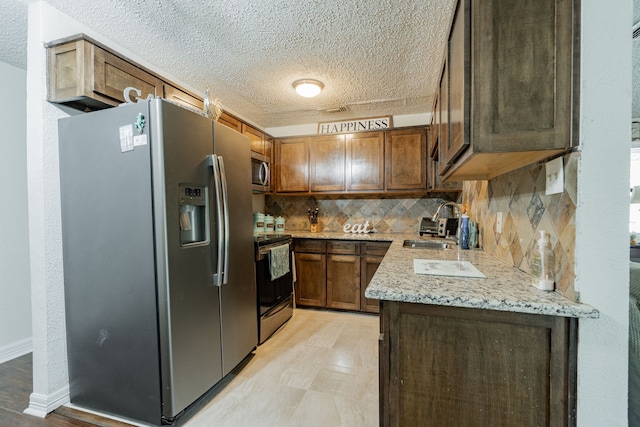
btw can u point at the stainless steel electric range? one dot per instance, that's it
(275, 297)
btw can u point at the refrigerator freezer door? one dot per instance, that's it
(238, 296)
(189, 303)
(109, 266)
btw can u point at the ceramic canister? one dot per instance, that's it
(268, 223)
(279, 221)
(258, 222)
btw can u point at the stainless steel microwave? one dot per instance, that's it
(260, 173)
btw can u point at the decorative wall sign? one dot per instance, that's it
(356, 228)
(346, 126)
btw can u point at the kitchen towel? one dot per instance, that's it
(279, 261)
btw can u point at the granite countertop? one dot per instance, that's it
(505, 289)
(379, 237)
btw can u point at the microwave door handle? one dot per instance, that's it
(225, 204)
(263, 175)
(217, 276)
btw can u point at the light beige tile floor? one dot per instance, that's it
(320, 369)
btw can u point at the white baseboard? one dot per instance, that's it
(40, 405)
(15, 349)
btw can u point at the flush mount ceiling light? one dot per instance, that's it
(308, 87)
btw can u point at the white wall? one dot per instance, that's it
(15, 289)
(602, 253)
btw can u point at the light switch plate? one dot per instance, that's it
(555, 176)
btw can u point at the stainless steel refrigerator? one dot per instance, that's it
(159, 278)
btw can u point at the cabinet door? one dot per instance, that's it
(406, 159)
(365, 161)
(343, 282)
(256, 138)
(485, 368)
(459, 65)
(311, 284)
(327, 163)
(368, 266)
(522, 71)
(174, 94)
(112, 75)
(229, 121)
(443, 132)
(292, 165)
(268, 145)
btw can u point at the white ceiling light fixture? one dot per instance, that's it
(308, 87)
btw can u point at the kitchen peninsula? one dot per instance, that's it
(494, 351)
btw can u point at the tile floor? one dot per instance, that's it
(321, 369)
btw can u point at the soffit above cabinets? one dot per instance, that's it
(379, 57)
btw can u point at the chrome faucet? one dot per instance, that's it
(459, 209)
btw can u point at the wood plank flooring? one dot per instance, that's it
(16, 381)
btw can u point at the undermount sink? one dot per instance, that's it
(426, 244)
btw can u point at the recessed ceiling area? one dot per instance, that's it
(379, 57)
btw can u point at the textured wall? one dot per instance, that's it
(520, 196)
(387, 215)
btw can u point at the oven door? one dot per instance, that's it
(275, 302)
(260, 173)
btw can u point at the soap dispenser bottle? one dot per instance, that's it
(542, 264)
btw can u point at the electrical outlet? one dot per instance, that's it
(499, 222)
(555, 176)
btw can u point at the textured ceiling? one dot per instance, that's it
(376, 57)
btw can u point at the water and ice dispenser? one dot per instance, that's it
(193, 214)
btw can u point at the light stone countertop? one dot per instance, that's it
(505, 289)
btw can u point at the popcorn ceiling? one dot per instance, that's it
(378, 57)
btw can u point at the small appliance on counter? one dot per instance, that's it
(428, 226)
(447, 227)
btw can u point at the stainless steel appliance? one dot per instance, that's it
(428, 226)
(275, 297)
(158, 267)
(447, 227)
(260, 173)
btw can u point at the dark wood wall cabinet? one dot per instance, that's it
(508, 93)
(394, 161)
(87, 75)
(335, 273)
(450, 366)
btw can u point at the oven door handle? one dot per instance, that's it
(264, 250)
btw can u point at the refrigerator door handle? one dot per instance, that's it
(225, 204)
(213, 162)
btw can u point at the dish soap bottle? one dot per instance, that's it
(542, 264)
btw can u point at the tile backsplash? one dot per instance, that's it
(387, 214)
(520, 196)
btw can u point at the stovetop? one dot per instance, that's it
(267, 239)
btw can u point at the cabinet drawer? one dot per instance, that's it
(310, 245)
(375, 248)
(343, 247)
